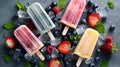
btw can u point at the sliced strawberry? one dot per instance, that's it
(107, 48)
(108, 39)
(54, 63)
(64, 47)
(93, 19)
(10, 42)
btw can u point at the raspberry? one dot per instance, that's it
(30, 25)
(56, 10)
(107, 48)
(50, 49)
(108, 39)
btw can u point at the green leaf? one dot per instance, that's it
(104, 63)
(20, 6)
(9, 25)
(61, 4)
(100, 28)
(41, 64)
(71, 37)
(27, 64)
(7, 58)
(110, 4)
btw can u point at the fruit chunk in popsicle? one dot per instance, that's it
(29, 41)
(86, 45)
(73, 14)
(41, 20)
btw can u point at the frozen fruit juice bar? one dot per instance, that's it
(40, 18)
(86, 44)
(28, 40)
(73, 14)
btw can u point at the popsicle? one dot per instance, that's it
(86, 45)
(72, 14)
(41, 19)
(29, 41)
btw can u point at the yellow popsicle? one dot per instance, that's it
(86, 44)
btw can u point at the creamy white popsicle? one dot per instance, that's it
(29, 41)
(41, 19)
(86, 44)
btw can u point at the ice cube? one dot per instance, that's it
(22, 14)
(54, 54)
(55, 42)
(80, 29)
(28, 57)
(43, 49)
(44, 38)
(17, 53)
(89, 61)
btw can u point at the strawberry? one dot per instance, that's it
(64, 47)
(107, 48)
(93, 19)
(30, 25)
(10, 42)
(54, 63)
(108, 39)
(56, 10)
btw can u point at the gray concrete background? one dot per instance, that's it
(8, 9)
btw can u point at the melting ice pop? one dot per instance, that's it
(86, 45)
(29, 41)
(41, 20)
(73, 14)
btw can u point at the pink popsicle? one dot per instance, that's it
(73, 14)
(29, 41)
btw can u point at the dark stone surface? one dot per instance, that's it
(8, 9)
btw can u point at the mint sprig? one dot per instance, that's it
(27, 64)
(100, 28)
(41, 64)
(61, 4)
(74, 37)
(9, 25)
(20, 6)
(104, 63)
(7, 58)
(110, 4)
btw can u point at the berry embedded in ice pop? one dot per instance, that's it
(41, 19)
(73, 14)
(29, 41)
(86, 45)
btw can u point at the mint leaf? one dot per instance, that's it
(7, 58)
(41, 64)
(110, 4)
(61, 4)
(20, 6)
(74, 37)
(104, 63)
(9, 25)
(100, 28)
(71, 37)
(27, 64)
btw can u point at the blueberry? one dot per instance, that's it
(103, 19)
(90, 11)
(83, 21)
(68, 33)
(34, 61)
(92, 65)
(65, 38)
(54, 19)
(56, 33)
(48, 42)
(74, 32)
(97, 59)
(94, 6)
(53, 4)
(90, 3)
(48, 8)
(66, 64)
(36, 65)
(60, 56)
(109, 56)
(15, 17)
(48, 57)
(11, 52)
(98, 50)
(18, 60)
(112, 27)
(74, 43)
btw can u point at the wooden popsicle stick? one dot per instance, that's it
(79, 61)
(51, 35)
(40, 55)
(65, 30)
